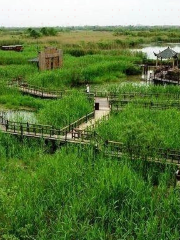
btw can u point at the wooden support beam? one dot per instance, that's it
(157, 62)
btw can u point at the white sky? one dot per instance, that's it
(18, 13)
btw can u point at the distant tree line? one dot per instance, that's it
(117, 30)
(45, 31)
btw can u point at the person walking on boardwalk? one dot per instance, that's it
(87, 88)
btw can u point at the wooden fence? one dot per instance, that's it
(119, 105)
(36, 91)
(41, 131)
(43, 92)
(150, 153)
(130, 96)
(77, 123)
(110, 148)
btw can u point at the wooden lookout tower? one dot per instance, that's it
(49, 59)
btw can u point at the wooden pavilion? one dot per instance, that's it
(167, 73)
(168, 53)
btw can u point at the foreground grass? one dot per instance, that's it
(75, 195)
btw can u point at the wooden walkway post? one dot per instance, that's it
(27, 127)
(21, 130)
(7, 125)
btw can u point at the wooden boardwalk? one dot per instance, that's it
(119, 105)
(45, 132)
(99, 115)
(41, 92)
(86, 137)
(79, 132)
(165, 81)
(67, 133)
(37, 91)
(104, 110)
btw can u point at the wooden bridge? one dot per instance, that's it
(45, 93)
(118, 105)
(45, 132)
(73, 135)
(82, 130)
(49, 132)
(36, 91)
(163, 81)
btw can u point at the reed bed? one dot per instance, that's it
(97, 68)
(91, 69)
(75, 194)
(136, 126)
(11, 98)
(62, 112)
(130, 88)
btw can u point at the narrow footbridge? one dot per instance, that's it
(47, 132)
(39, 131)
(45, 93)
(78, 133)
(82, 131)
(36, 91)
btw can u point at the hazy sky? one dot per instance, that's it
(88, 12)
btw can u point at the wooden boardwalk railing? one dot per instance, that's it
(118, 149)
(149, 153)
(110, 148)
(37, 91)
(119, 105)
(133, 95)
(52, 94)
(41, 131)
(77, 123)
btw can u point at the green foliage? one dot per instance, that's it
(145, 89)
(66, 110)
(45, 31)
(144, 127)
(75, 193)
(70, 196)
(48, 31)
(97, 68)
(92, 69)
(11, 98)
(18, 58)
(34, 33)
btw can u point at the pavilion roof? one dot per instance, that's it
(166, 54)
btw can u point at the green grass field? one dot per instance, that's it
(77, 192)
(72, 196)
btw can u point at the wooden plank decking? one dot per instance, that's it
(165, 81)
(37, 91)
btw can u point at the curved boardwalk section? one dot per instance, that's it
(36, 91)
